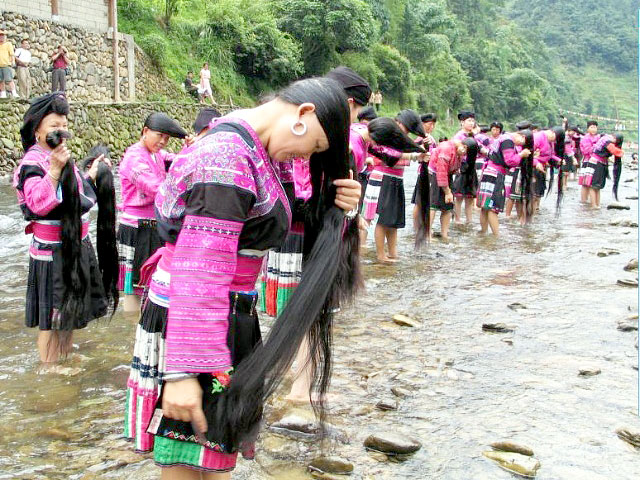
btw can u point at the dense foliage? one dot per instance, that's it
(506, 59)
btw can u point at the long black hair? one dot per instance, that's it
(106, 224)
(330, 276)
(526, 175)
(617, 165)
(411, 121)
(468, 168)
(75, 278)
(386, 132)
(559, 151)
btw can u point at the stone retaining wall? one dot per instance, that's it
(117, 125)
(91, 57)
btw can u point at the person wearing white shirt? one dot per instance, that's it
(23, 61)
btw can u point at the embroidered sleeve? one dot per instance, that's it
(204, 264)
(141, 174)
(509, 154)
(443, 163)
(387, 155)
(40, 195)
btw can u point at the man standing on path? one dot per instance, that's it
(6, 60)
(23, 60)
(60, 64)
(377, 99)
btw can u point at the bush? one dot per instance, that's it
(154, 45)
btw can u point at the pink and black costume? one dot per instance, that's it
(597, 167)
(444, 162)
(587, 142)
(220, 210)
(141, 173)
(39, 202)
(546, 154)
(502, 157)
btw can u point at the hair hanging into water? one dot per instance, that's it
(468, 168)
(559, 151)
(75, 278)
(617, 164)
(526, 176)
(330, 276)
(106, 224)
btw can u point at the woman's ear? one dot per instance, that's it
(305, 108)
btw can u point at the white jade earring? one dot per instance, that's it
(296, 132)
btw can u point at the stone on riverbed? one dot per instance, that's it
(632, 265)
(497, 327)
(508, 446)
(392, 443)
(405, 321)
(387, 404)
(605, 252)
(623, 222)
(400, 392)
(628, 282)
(297, 425)
(632, 438)
(516, 306)
(522, 465)
(332, 465)
(618, 206)
(627, 325)
(589, 372)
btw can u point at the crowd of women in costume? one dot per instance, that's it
(282, 195)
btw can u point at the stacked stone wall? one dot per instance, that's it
(116, 125)
(91, 57)
(89, 14)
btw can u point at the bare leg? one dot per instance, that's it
(584, 194)
(494, 223)
(379, 235)
(520, 211)
(597, 192)
(363, 232)
(484, 221)
(48, 346)
(508, 207)
(416, 214)
(468, 209)
(216, 476)
(392, 242)
(131, 303)
(445, 220)
(302, 381)
(457, 209)
(432, 216)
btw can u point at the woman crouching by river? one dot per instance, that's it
(65, 289)
(200, 372)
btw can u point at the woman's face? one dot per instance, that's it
(551, 136)
(428, 126)
(495, 132)
(518, 139)
(284, 145)
(592, 129)
(50, 123)
(461, 149)
(153, 140)
(354, 110)
(468, 124)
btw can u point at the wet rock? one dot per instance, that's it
(405, 321)
(514, 462)
(387, 404)
(124, 456)
(516, 306)
(632, 197)
(56, 434)
(508, 341)
(627, 326)
(623, 222)
(632, 265)
(508, 446)
(605, 252)
(632, 438)
(589, 372)
(497, 327)
(297, 425)
(628, 282)
(618, 206)
(392, 443)
(361, 410)
(400, 392)
(332, 465)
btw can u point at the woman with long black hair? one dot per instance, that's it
(219, 210)
(142, 170)
(596, 169)
(65, 290)
(466, 192)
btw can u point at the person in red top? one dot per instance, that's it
(445, 161)
(60, 64)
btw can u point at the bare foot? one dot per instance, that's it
(386, 260)
(49, 368)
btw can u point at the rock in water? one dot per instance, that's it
(516, 306)
(296, 425)
(508, 446)
(523, 465)
(632, 438)
(497, 327)
(605, 252)
(627, 326)
(589, 372)
(334, 465)
(618, 206)
(400, 392)
(405, 320)
(392, 443)
(632, 265)
(387, 404)
(628, 282)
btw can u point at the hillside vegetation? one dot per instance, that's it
(507, 60)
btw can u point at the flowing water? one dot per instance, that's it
(468, 388)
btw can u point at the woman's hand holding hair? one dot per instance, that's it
(93, 170)
(182, 400)
(57, 160)
(525, 152)
(348, 193)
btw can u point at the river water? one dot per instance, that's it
(468, 388)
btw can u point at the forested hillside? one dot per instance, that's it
(506, 59)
